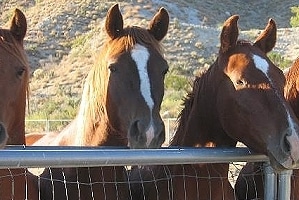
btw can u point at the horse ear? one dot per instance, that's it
(158, 26)
(267, 39)
(229, 34)
(18, 26)
(114, 22)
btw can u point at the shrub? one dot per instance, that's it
(279, 60)
(176, 82)
(294, 21)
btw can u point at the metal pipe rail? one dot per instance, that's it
(58, 156)
(74, 156)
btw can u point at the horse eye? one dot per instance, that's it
(240, 82)
(112, 68)
(20, 72)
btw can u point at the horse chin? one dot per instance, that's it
(279, 164)
(134, 143)
(141, 138)
(3, 136)
(141, 144)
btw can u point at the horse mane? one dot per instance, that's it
(244, 42)
(188, 102)
(290, 88)
(13, 47)
(92, 113)
(294, 70)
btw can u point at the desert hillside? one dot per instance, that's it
(64, 36)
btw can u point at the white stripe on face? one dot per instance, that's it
(261, 64)
(140, 55)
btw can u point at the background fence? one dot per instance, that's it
(49, 125)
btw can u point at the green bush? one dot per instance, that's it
(279, 60)
(176, 82)
(176, 87)
(294, 21)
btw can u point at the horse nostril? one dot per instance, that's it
(286, 144)
(2, 129)
(134, 131)
(162, 134)
(159, 137)
(137, 137)
(3, 135)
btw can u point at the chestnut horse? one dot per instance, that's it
(232, 101)
(120, 106)
(250, 184)
(14, 82)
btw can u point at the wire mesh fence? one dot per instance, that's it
(114, 173)
(55, 125)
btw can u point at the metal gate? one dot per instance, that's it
(33, 156)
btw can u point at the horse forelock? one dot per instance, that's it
(132, 36)
(244, 43)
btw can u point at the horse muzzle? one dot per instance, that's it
(290, 145)
(150, 136)
(287, 155)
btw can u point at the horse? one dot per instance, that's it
(14, 87)
(232, 101)
(250, 182)
(120, 106)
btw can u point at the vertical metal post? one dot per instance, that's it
(284, 185)
(47, 125)
(167, 136)
(270, 182)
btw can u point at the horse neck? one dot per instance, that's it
(94, 130)
(100, 135)
(202, 127)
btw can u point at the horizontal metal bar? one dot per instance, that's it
(54, 156)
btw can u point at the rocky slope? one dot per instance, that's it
(63, 36)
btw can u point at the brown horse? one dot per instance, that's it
(250, 183)
(14, 81)
(120, 106)
(232, 101)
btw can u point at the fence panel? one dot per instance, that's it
(67, 156)
(34, 157)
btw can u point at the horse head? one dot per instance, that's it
(14, 80)
(130, 70)
(250, 101)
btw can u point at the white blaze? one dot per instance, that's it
(261, 64)
(140, 55)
